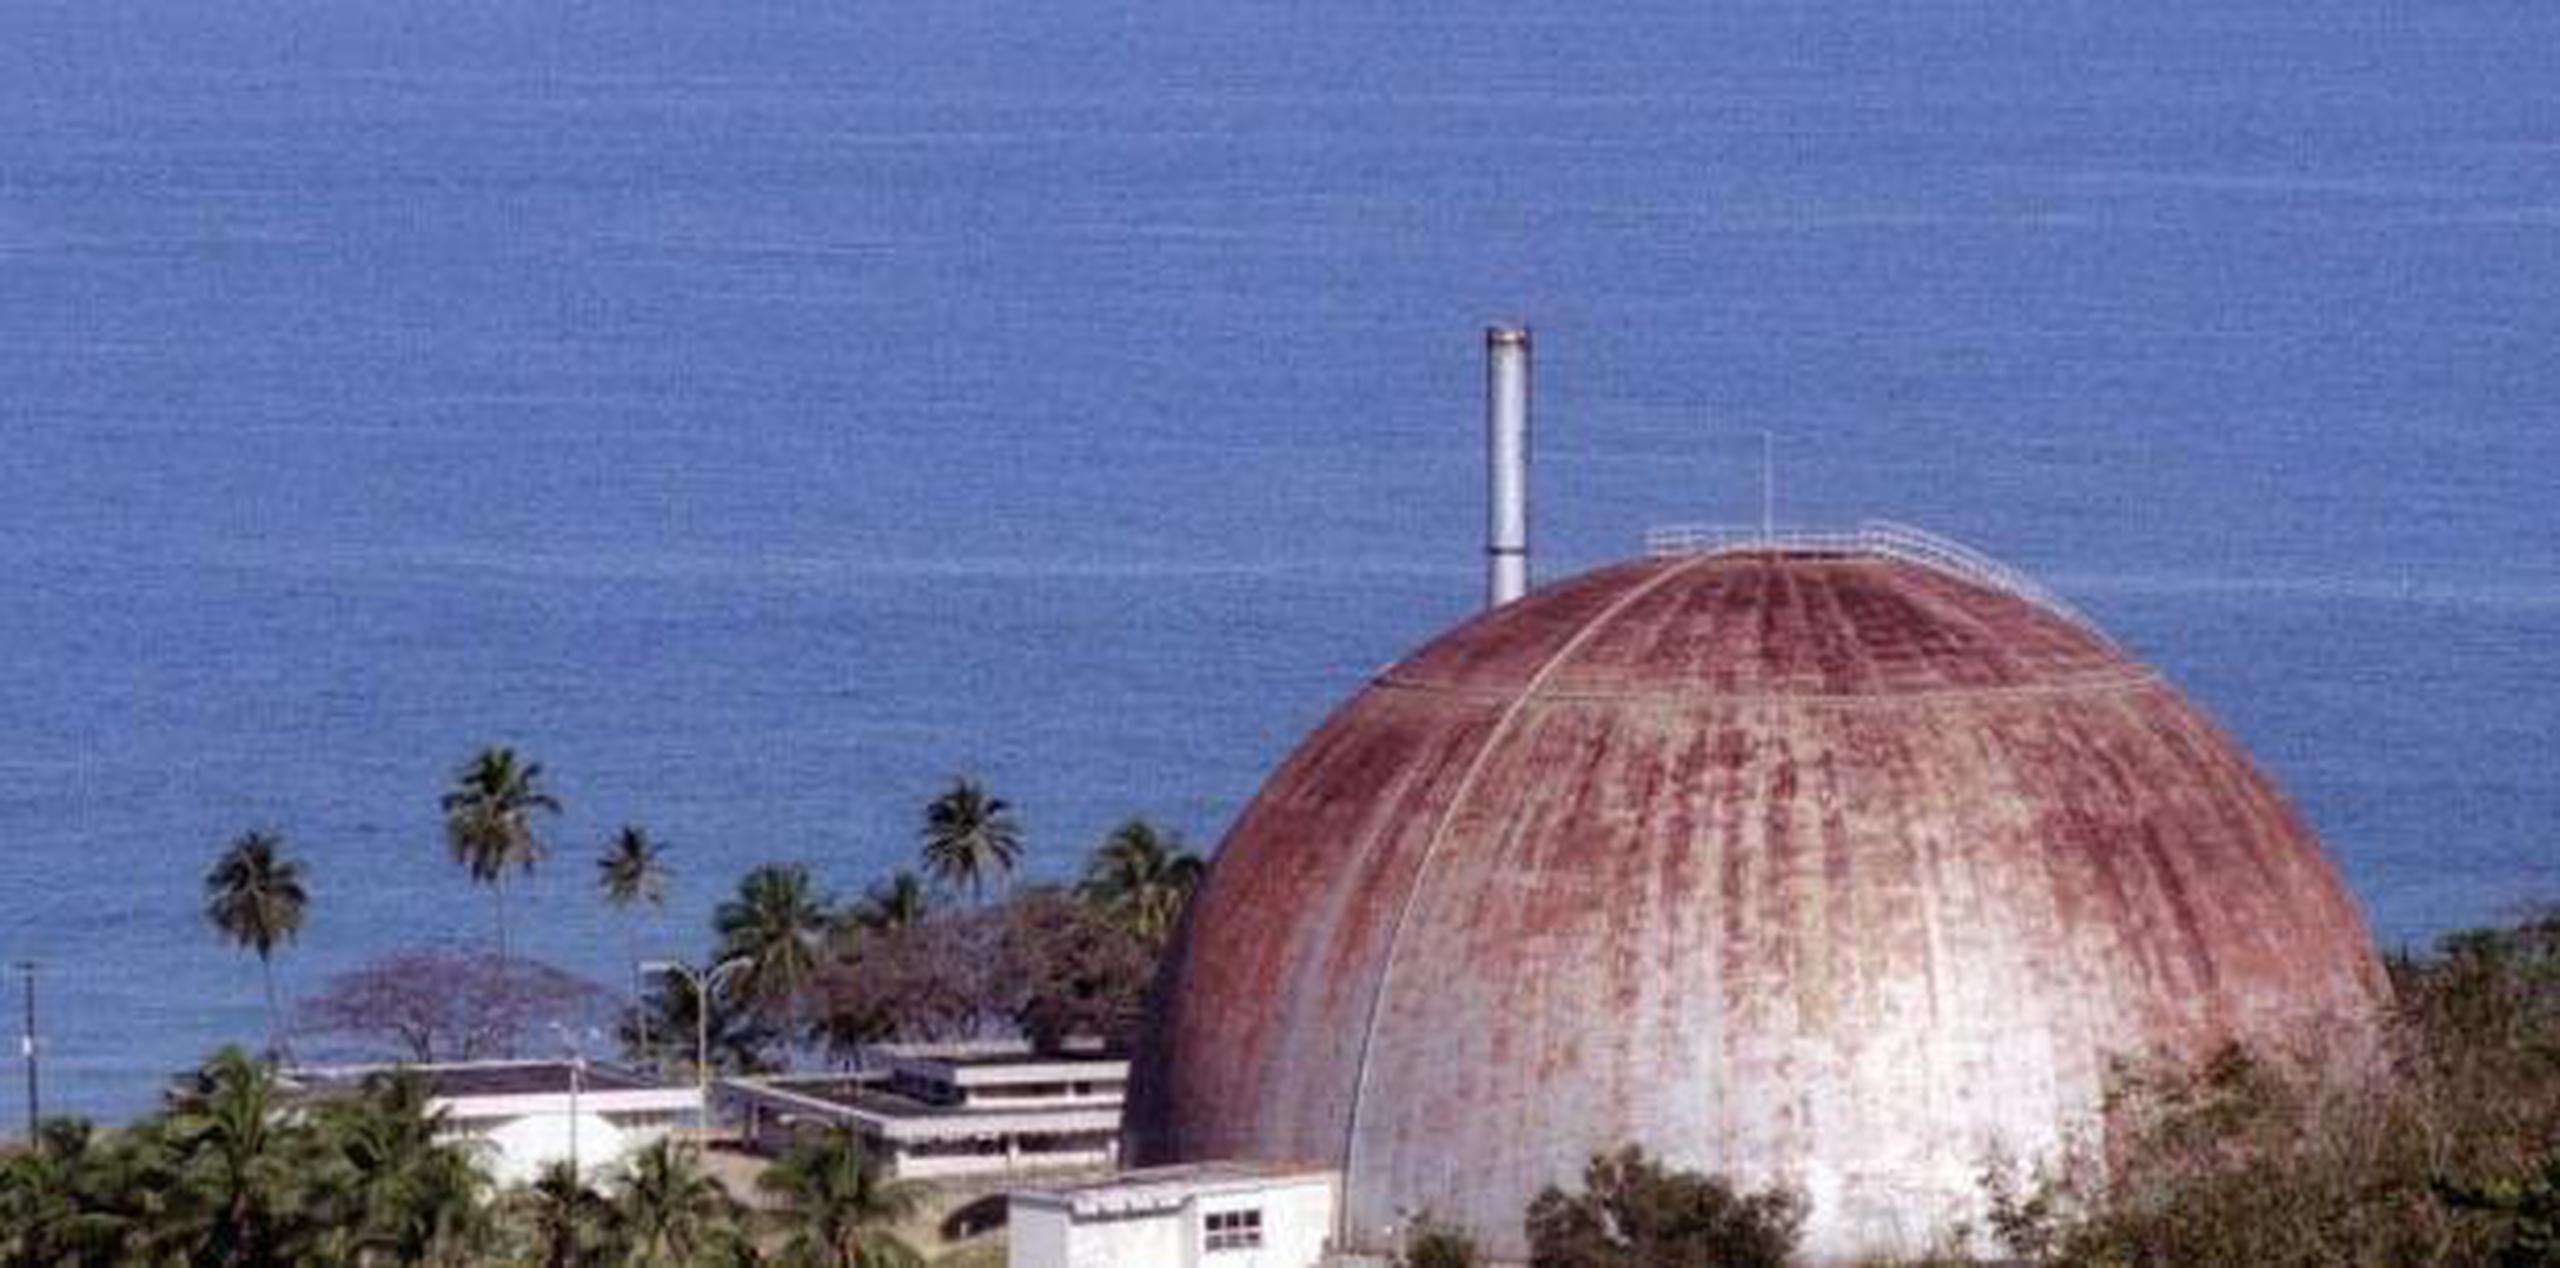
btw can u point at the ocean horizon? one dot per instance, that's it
(762, 416)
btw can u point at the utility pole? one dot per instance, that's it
(27, 1048)
(701, 1042)
(1768, 489)
(577, 1083)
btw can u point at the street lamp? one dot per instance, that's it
(27, 1048)
(577, 1081)
(701, 1041)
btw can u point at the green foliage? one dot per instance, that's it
(235, 1167)
(2528, 1207)
(488, 814)
(233, 1173)
(2441, 1149)
(668, 1213)
(488, 821)
(561, 1221)
(836, 1204)
(899, 902)
(60, 1199)
(1142, 878)
(1634, 1212)
(662, 1029)
(1433, 1244)
(969, 836)
(632, 871)
(1069, 973)
(388, 1190)
(1042, 965)
(772, 938)
(256, 897)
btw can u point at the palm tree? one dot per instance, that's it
(51, 1208)
(1142, 878)
(899, 902)
(667, 1212)
(838, 1202)
(393, 1190)
(143, 1205)
(567, 1218)
(488, 821)
(255, 896)
(735, 1040)
(771, 937)
(633, 871)
(234, 1166)
(969, 834)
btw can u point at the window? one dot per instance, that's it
(1235, 1230)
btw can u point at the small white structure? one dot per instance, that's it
(1201, 1215)
(529, 1114)
(949, 1111)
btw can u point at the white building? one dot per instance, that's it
(1202, 1215)
(529, 1114)
(949, 1111)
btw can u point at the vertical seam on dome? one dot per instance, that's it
(1458, 799)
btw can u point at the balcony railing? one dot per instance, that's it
(1882, 538)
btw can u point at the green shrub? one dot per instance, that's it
(1636, 1213)
(2443, 1149)
(1433, 1244)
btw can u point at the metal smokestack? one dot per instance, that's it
(1506, 451)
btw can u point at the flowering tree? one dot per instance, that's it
(442, 1004)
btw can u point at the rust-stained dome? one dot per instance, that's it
(1823, 867)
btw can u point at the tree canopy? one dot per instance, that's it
(488, 821)
(836, 1203)
(632, 871)
(1143, 877)
(1634, 1212)
(970, 835)
(772, 935)
(256, 897)
(443, 1004)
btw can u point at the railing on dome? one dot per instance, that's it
(1871, 537)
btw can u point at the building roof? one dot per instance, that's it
(848, 1091)
(459, 1080)
(862, 1102)
(1170, 1187)
(1818, 865)
(992, 1052)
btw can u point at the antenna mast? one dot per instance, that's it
(1768, 490)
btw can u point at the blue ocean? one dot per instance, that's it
(761, 413)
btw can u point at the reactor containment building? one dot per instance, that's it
(1837, 862)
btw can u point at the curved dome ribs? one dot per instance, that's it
(1449, 813)
(1825, 868)
(1883, 539)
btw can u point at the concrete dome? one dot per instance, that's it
(1824, 867)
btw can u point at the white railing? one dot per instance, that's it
(1882, 538)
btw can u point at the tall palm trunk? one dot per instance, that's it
(501, 888)
(639, 988)
(275, 1033)
(506, 1042)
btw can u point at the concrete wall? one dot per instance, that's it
(517, 1149)
(1037, 1235)
(1141, 1241)
(1297, 1217)
(995, 1162)
(1296, 1220)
